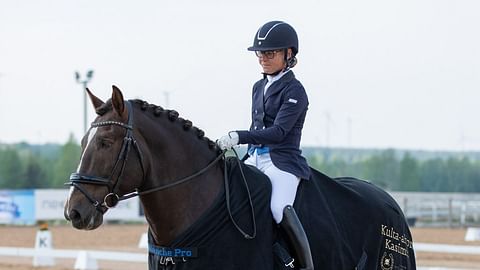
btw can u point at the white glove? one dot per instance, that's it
(228, 141)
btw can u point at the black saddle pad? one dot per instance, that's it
(350, 223)
(353, 223)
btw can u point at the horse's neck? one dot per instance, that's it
(171, 211)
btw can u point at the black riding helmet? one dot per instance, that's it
(277, 35)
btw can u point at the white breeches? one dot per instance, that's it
(284, 184)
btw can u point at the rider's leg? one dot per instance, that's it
(284, 188)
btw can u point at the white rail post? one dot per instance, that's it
(43, 241)
(85, 261)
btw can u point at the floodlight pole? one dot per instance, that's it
(84, 83)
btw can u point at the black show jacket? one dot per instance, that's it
(277, 122)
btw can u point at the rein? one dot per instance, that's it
(227, 198)
(178, 182)
(112, 198)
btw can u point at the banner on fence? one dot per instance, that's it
(17, 207)
(29, 206)
(49, 203)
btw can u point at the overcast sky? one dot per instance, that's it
(379, 73)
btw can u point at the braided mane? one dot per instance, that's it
(174, 117)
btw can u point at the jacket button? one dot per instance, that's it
(256, 111)
(255, 127)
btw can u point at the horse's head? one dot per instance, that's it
(111, 164)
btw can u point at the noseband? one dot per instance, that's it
(112, 198)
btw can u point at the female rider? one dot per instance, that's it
(279, 107)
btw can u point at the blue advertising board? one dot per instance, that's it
(17, 207)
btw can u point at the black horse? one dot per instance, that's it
(206, 211)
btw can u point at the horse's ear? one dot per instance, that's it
(95, 100)
(118, 103)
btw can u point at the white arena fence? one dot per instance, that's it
(440, 209)
(73, 254)
(142, 257)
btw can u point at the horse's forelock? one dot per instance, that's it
(106, 107)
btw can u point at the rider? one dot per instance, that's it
(279, 107)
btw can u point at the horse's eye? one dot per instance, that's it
(104, 143)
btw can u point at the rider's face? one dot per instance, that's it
(272, 61)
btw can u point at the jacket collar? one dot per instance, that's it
(277, 85)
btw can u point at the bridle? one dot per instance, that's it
(112, 198)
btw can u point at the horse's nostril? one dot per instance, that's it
(74, 215)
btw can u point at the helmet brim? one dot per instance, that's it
(262, 49)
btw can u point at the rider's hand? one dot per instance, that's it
(228, 141)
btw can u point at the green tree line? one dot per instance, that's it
(24, 166)
(406, 173)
